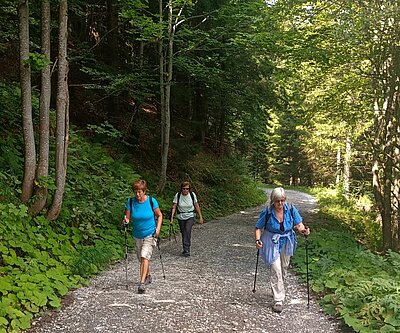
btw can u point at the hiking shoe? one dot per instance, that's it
(186, 254)
(277, 307)
(141, 289)
(148, 279)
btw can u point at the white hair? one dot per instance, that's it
(277, 193)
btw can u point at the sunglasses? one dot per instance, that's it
(186, 188)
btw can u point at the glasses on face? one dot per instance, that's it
(138, 191)
(185, 188)
(279, 201)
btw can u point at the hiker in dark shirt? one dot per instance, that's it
(185, 204)
(276, 240)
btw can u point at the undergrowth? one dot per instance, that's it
(350, 279)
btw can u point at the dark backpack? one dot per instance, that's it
(268, 215)
(177, 203)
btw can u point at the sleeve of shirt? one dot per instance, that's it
(296, 216)
(175, 198)
(261, 220)
(195, 198)
(127, 205)
(155, 203)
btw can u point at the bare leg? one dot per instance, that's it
(144, 269)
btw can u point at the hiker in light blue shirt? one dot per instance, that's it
(145, 215)
(276, 240)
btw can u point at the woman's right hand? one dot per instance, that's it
(259, 244)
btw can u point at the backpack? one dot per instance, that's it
(177, 203)
(268, 215)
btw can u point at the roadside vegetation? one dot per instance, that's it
(348, 273)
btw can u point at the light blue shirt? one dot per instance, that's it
(273, 237)
(142, 217)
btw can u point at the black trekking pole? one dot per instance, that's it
(308, 283)
(255, 275)
(159, 250)
(126, 256)
(172, 231)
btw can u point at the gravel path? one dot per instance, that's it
(209, 292)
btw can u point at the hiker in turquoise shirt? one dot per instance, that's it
(146, 217)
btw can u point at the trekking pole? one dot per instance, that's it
(172, 231)
(159, 250)
(308, 283)
(126, 256)
(255, 275)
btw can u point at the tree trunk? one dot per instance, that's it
(45, 94)
(26, 101)
(62, 113)
(346, 173)
(165, 82)
(338, 166)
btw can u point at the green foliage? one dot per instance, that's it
(37, 61)
(107, 130)
(9, 99)
(93, 259)
(34, 267)
(352, 282)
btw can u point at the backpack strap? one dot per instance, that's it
(267, 217)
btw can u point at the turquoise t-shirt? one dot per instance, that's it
(142, 217)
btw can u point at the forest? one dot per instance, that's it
(228, 94)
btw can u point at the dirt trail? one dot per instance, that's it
(211, 291)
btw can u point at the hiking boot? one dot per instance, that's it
(186, 254)
(148, 279)
(277, 307)
(141, 289)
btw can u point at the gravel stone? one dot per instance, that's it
(211, 291)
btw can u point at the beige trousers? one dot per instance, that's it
(278, 273)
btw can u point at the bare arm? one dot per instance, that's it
(173, 210)
(158, 213)
(257, 235)
(197, 206)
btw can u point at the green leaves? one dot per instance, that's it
(37, 61)
(360, 286)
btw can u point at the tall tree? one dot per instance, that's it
(26, 99)
(45, 95)
(62, 109)
(384, 53)
(166, 74)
